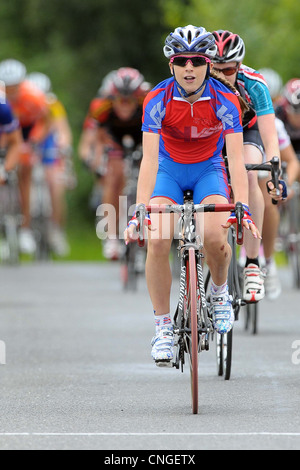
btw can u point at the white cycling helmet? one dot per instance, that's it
(41, 81)
(12, 72)
(291, 92)
(189, 39)
(274, 81)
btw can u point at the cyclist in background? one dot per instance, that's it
(117, 112)
(186, 119)
(29, 105)
(56, 153)
(272, 214)
(10, 140)
(288, 110)
(260, 137)
(90, 150)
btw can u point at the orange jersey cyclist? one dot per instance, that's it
(30, 107)
(186, 120)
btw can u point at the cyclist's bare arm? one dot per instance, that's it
(13, 142)
(86, 143)
(269, 135)
(238, 175)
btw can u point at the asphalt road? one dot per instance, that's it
(78, 372)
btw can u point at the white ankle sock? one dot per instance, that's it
(163, 321)
(218, 290)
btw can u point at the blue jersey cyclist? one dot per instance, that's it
(260, 138)
(186, 119)
(10, 140)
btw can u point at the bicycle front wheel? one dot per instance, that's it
(192, 325)
(224, 354)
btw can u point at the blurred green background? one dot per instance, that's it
(76, 42)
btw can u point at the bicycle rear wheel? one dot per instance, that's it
(192, 325)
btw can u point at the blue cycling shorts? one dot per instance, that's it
(205, 178)
(49, 150)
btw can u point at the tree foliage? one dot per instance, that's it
(77, 42)
(269, 28)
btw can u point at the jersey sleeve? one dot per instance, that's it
(261, 98)
(153, 111)
(229, 113)
(100, 109)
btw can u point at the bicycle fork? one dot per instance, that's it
(203, 309)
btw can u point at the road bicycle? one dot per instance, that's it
(192, 321)
(252, 309)
(288, 240)
(133, 260)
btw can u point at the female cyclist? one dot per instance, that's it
(185, 121)
(259, 135)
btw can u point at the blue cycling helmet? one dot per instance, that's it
(189, 39)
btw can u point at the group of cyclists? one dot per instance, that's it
(212, 106)
(35, 129)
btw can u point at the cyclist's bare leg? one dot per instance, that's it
(217, 249)
(57, 193)
(256, 201)
(24, 177)
(158, 272)
(271, 222)
(113, 187)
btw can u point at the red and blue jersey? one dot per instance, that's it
(191, 133)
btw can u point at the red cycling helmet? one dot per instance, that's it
(125, 81)
(230, 47)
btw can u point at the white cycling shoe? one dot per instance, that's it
(222, 313)
(27, 242)
(162, 347)
(254, 289)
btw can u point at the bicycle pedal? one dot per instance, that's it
(164, 363)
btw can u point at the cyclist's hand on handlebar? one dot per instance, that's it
(131, 232)
(247, 222)
(272, 190)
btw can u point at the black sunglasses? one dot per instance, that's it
(196, 60)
